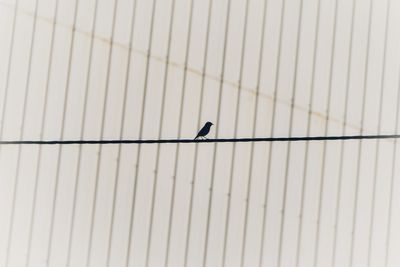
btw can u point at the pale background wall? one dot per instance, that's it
(102, 69)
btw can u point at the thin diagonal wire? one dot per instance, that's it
(310, 107)
(43, 123)
(392, 180)
(366, 69)
(176, 64)
(211, 186)
(276, 82)
(324, 149)
(103, 115)
(83, 123)
(255, 120)
(156, 58)
(383, 84)
(194, 171)
(289, 147)
(60, 150)
(17, 175)
(161, 115)
(233, 155)
(138, 153)
(346, 101)
(181, 109)
(117, 171)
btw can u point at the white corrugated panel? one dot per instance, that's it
(159, 69)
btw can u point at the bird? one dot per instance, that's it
(205, 130)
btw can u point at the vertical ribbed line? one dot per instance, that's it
(289, 145)
(43, 123)
(21, 134)
(160, 127)
(138, 153)
(9, 64)
(346, 101)
(59, 156)
(371, 221)
(310, 107)
(194, 171)
(323, 167)
(103, 115)
(255, 120)
(83, 122)
(3, 115)
(221, 83)
(121, 133)
(239, 94)
(355, 201)
(275, 95)
(181, 108)
(392, 181)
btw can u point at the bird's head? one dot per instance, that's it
(209, 124)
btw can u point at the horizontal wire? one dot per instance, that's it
(218, 140)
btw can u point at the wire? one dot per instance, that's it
(218, 140)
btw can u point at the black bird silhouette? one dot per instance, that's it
(205, 130)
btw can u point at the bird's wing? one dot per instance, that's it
(201, 132)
